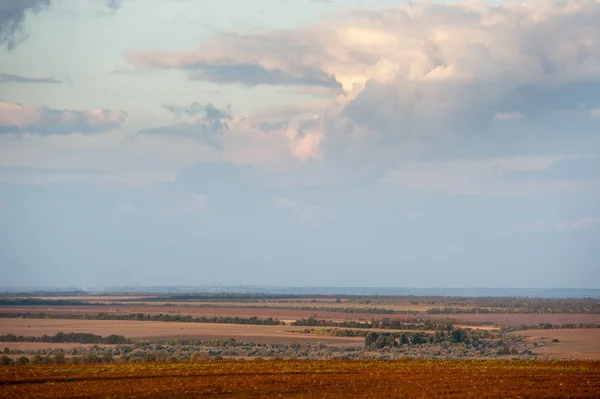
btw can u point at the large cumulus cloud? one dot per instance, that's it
(418, 70)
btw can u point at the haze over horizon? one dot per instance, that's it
(300, 143)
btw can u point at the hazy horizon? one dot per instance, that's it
(300, 143)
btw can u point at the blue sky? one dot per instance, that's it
(323, 143)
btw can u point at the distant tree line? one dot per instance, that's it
(60, 337)
(549, 326)
(457, 304)
(50, 302)
(146, 317)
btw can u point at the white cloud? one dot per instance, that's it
(595, 113)
(415, 72)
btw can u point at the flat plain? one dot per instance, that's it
(508, 319)
(307, 379)
(157, 330)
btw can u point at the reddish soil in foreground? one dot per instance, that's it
(306, 379)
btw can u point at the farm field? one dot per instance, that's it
(155, 330)
(508, 319)
(572, 343)
(307, 379)
(282, 314)
(517, 319)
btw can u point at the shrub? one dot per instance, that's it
(6, 361)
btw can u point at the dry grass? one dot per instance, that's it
(573, 343)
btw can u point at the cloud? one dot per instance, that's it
(421, 72)
(9, 78)
(12, 17)
(113, 157)
(428, 43)
(209, 111)
(207, 128)
(595, 113)
(493, 176)
(17, 118)
(280, 137)
(113, 4)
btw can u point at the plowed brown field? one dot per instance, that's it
(307, 379)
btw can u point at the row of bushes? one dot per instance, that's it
(60, 337)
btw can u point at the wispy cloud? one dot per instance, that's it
(12, 17)
(9, 78)
(17, 118)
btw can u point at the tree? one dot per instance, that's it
(6, 361)
(23, 360)
(403, 339)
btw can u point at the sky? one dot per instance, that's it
(300, 143)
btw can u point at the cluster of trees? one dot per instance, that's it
(80, 338)
(390, 324)
(147, 317)
(379, 340)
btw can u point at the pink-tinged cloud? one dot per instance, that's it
(17, 118)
